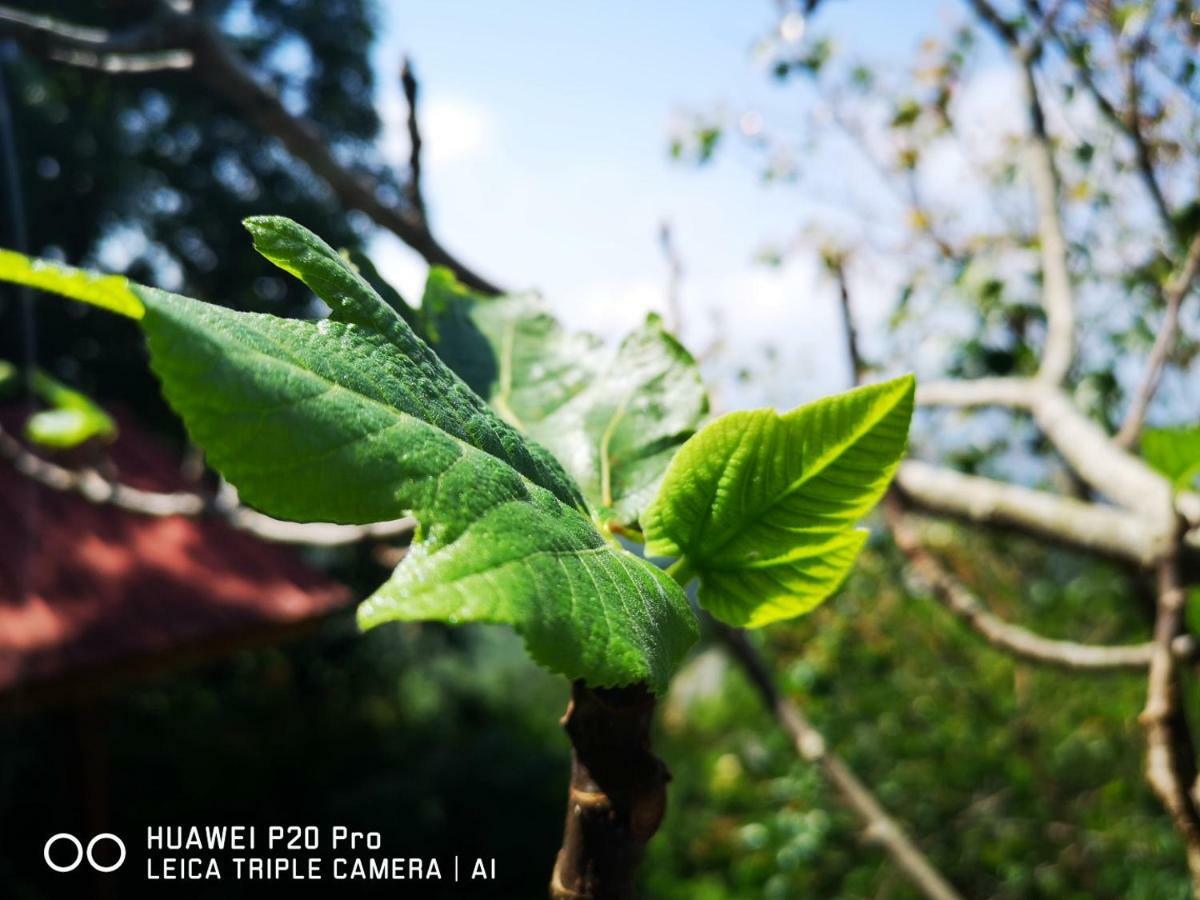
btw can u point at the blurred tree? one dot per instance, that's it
(1028, 189)
(145, 173)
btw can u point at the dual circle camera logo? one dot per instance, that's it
(80, 853)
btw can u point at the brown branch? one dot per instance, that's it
(617, 797)
(880, 827)
(1170, 772)
(94, 487)
(835, 262)
(220, 68)
(1174, 292)
(408, 81)
(1020, 642)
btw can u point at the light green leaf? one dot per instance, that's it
(618, 436)
(111, 292)
(1175, 452)
(354, 419)
(73, 418)
(9, 377)
(613, 418)
(762, 506)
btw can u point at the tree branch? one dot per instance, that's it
(1174, 291)
(617, 797)
(219, 67)
(666, 243)
(1090, 527)
(881, 828)
(416, 197)
(92, 486)
(1169, 771)
(1056, 283)
(1020, 642)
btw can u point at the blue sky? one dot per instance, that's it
(546, 127)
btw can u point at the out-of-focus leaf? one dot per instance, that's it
(1175, 452)
(613, 419)
(73, 417)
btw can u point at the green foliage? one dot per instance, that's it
(355, 419)
(72, 419)
(1019, 781)
(1175, 452)
(614, 419)
(109, 292)
(761, 506)
(9, 377)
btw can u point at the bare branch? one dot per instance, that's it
(1016, 393)
(1127, 123)
(1107, 468)
(1175, 291)
(666, 243)
(835, 262)
(408, 81)
(44, 35)
(219, 67)
(1170, 772)
(1056, 283)
(1021, 642)
(1090, 527)
(881, 828)
(94, 487)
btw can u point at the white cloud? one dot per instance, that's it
(453, 129)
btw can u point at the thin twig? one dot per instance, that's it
(836, 263)
(666, 242)
(94, 487)
(810, 744)
(1020, 642)
(1170, 772)
(1174, 292)
(1057, 300)
(221, 69)
(408, 81)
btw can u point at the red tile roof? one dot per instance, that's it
(85, 588)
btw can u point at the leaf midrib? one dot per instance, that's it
(823, 462)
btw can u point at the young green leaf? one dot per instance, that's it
(619, 434)
(614, 420)
(508, 349)
(1175, 452)
(762, 506)
(354, 419)
(73, 418)
(111, 292)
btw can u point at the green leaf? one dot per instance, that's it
(762, 506)
(613, 418)
(9, 377)
(1175, 452)
(111, 292)
(73, 418)
(362, 263)
(618, 436)
(354, 419)
(416, 378)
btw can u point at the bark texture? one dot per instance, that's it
(617, 796)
